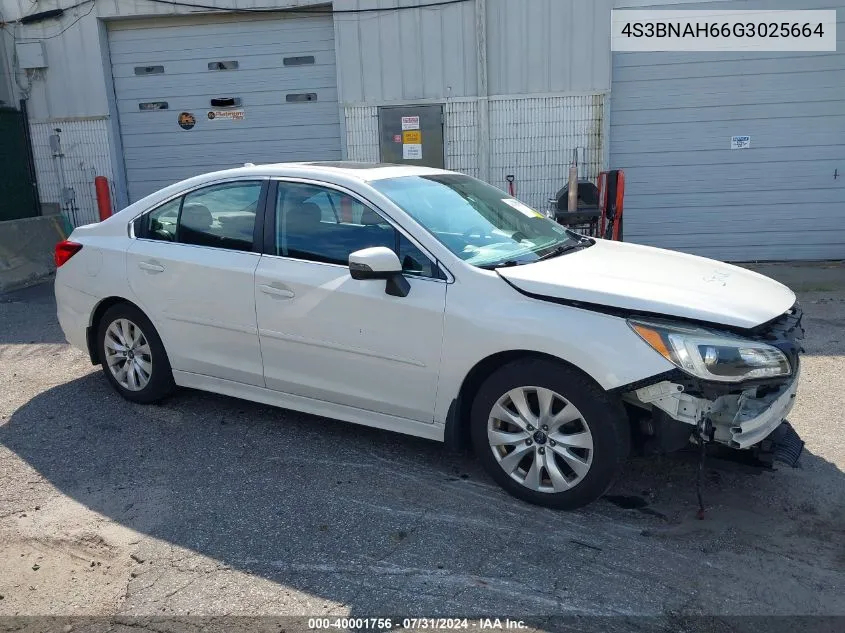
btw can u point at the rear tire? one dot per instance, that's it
(548, 435)
(133, 356)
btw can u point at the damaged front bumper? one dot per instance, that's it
(740, 416)
(739, 420)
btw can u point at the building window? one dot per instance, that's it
(301, 96)
(302, 60)
(230, 65)
(149, 70)
(153, 105)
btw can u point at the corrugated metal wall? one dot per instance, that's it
(547, 46)
(672, 119)
(534, 47)
(405, 55)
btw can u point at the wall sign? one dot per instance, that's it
(740, 142)
(410, 123)
(187, 120)
(412, 151)
(232, 115)
(412, 136)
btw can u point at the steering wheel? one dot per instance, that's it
(473, 230)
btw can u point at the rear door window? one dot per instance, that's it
(220, 216)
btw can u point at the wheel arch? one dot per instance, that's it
(94, 324)
(456, 433)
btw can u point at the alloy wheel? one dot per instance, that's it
(540, 439)
(128, 355)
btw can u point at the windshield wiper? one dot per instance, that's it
(566, 248)
(505, 264)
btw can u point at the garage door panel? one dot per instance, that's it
(255, 105)
(270, 152)
(668, 99)
(675, 199)
(187, 28)
(777, 241)
(270, 43)
(687, 93)
(734, 112)
(135, 87)
(157, 151)
(760, 254)
(678, 157)
(712, 134)
(724, 177)
(748, 212)
(199, 68)
(135, 121)
(667, 58)
(751, 66)
(212, 140)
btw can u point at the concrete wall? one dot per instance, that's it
(26, 250)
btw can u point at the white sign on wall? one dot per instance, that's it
(412, 151)
(740, 142)
(410, 123)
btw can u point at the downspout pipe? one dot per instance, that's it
(483, 118)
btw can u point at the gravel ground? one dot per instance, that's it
(207, 505)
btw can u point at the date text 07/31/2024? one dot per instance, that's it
(381, 624)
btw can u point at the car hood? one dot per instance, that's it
(647, 279)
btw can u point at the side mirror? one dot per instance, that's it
(379, 262)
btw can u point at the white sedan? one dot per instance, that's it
(427, 302)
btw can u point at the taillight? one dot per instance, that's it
(65, 250)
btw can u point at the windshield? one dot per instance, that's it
(478, 222)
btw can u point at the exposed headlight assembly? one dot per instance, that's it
(712, 355)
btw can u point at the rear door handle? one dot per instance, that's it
(149, 266)
(274, 291)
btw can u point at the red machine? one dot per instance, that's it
(597, 207)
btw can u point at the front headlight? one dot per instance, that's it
(712, 355)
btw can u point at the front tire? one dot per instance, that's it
(548, 435)
(133, 356)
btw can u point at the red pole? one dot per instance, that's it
(101, 186)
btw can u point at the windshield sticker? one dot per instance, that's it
(524, 209)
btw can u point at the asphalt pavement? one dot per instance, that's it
(207, 505)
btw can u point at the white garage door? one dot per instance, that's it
(269, 83)
(673, 116)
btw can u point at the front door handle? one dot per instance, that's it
(274, 291)
(151, 267)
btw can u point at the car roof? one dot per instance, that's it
(357, 170)
(336, 172)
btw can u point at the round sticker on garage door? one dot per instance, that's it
(187, 120)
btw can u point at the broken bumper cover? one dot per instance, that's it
(740, 416)
(745, 420)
